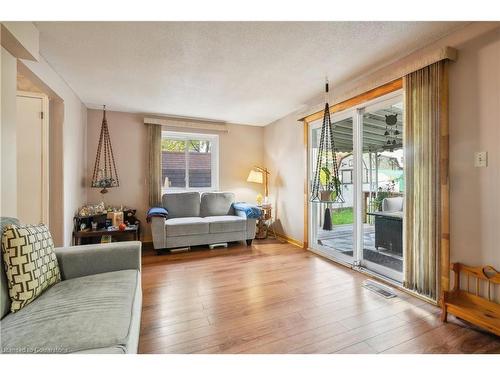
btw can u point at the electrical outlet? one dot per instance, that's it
(481, 159)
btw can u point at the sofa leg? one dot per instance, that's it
(162, 251)
(249, 242)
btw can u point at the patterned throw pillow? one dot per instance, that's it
(30, 262)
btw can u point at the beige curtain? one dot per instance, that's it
(154, 176)
(424, 98)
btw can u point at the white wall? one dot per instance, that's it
(8, 204)
(285, 157)
(74, 143)
(475, 126)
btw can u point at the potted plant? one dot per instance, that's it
(330, 185)
(383, 193)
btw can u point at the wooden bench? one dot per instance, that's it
(473, 307)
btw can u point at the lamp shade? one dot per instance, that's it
(256, 176)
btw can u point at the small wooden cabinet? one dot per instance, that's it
(90, 236)
(95, 236)
(264, 222)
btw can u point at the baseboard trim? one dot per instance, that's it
(290, 240)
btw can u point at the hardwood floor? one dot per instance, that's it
(278, 298)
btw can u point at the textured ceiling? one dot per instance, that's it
(240, 72)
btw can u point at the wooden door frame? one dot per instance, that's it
(443, 266)
(45, 150)
(443, 279)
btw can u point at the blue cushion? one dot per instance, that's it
(250, 210)
(156, 212)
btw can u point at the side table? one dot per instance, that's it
(134, 232)
(265, 223)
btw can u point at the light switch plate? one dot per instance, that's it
(481, 159)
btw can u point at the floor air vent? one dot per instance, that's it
(380, 289)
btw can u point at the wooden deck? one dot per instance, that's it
(278, 298)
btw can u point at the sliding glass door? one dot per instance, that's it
(383, 188)
(367, 228)
(336, 241)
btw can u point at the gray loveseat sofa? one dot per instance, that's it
(96, 308)
(205, 219)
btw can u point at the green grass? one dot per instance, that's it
(343, 216)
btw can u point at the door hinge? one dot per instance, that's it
(41, 115)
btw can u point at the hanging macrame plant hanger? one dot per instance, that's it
(104, 176)
(326, 187)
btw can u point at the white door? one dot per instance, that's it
(339, 240)
(365, 231)
(383, 188)
(32, 158)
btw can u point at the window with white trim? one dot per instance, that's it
(189, 161)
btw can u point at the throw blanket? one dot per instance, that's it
(156, 212)
(251, 211)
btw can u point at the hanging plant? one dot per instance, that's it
(327, 180)
(105, 175)
(326, 187)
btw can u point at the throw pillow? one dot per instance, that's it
(30, 263)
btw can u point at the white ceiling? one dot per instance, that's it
(240, 72)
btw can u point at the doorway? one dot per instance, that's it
(367, 230)
(32, 158)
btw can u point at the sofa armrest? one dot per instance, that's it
(251, 228)
(251, 224)
(78, 261)
(240, 214)
(159, 232)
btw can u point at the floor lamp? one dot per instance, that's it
(259, 175)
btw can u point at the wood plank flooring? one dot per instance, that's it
(277, 298)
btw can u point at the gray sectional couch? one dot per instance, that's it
(205, 219)
(96, 308)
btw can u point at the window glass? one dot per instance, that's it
(189, 161)
(200, 164)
